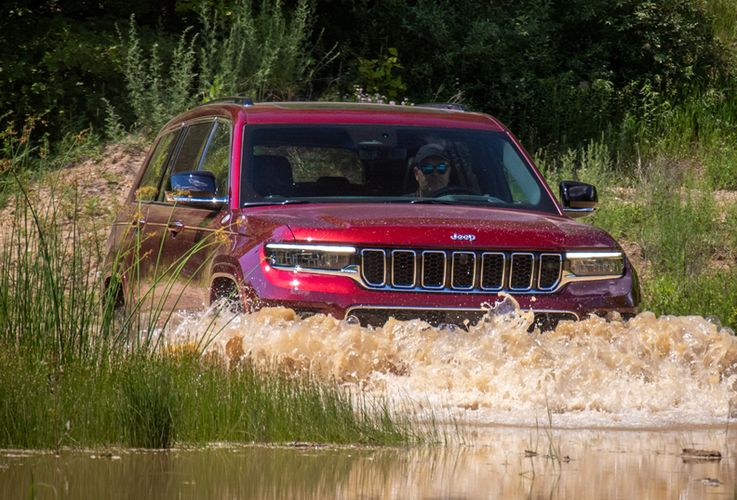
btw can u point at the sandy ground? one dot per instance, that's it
(93, 189)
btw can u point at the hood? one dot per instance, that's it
(441, 226)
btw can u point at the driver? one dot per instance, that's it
(432, 169)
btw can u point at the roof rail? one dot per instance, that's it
(243, 101)
(443, 105)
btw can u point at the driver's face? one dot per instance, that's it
(430, 180)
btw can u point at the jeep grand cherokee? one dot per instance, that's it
(327, 208)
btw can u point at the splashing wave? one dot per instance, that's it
(644, 372)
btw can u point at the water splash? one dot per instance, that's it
(644, 372)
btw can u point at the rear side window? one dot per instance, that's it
(149, 186)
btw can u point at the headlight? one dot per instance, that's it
(595, 263)
(312, 257)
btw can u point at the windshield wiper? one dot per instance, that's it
(460, 200)
(432, 201)
(275, 202)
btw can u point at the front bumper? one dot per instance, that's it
(341, 296)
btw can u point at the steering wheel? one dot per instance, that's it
(451, 190)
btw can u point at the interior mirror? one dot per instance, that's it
(196, 189)
(579, 199)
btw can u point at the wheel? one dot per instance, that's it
(226, 290)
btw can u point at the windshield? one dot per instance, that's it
(386, 164)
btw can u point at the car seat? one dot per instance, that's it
(272, 176)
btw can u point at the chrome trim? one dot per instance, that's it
(414, 268)
(452, 270)
(568, 277)
(363, 276)
(504, 272)
(445, 270)
(576, 213)
(365, 307)
(349, 271)
(540, 269)
(511, 270)
(215, 201)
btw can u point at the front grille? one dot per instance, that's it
(373, 267)
(448, 270)
(550, 267)
(403, 268)
(520, 271)
(433, 269)
(464, 270)
(492, 271)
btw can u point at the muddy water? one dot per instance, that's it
(646, 372)
(591, 464)
(594, 409)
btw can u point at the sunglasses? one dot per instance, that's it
(440, 168)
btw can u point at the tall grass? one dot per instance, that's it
(69, 375)
(261, 52)
(47, 287)
(725, 20)
(158, 89)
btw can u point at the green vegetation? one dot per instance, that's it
(70, 375)
(157, 401)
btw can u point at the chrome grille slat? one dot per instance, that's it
(548, 276)
(373, 266)
(521, 267)
(404, 264)
(433, 269)
(448, 270)
(463, 270)
(493, 265)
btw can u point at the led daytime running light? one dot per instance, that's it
(311, 248)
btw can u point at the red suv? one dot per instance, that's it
(364, 210)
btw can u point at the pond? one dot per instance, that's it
(496, 462)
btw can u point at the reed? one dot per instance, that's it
(70, 375)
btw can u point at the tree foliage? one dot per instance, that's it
(557, 71)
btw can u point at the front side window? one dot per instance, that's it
(149, 187)
(386, 163)
(216, 157)
(192, 145)
(188, 155)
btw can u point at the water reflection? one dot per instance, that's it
(500, 463)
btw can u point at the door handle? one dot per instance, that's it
(138, 223)
(175, 228)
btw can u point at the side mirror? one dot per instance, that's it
(195, 189)
(579, 199)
